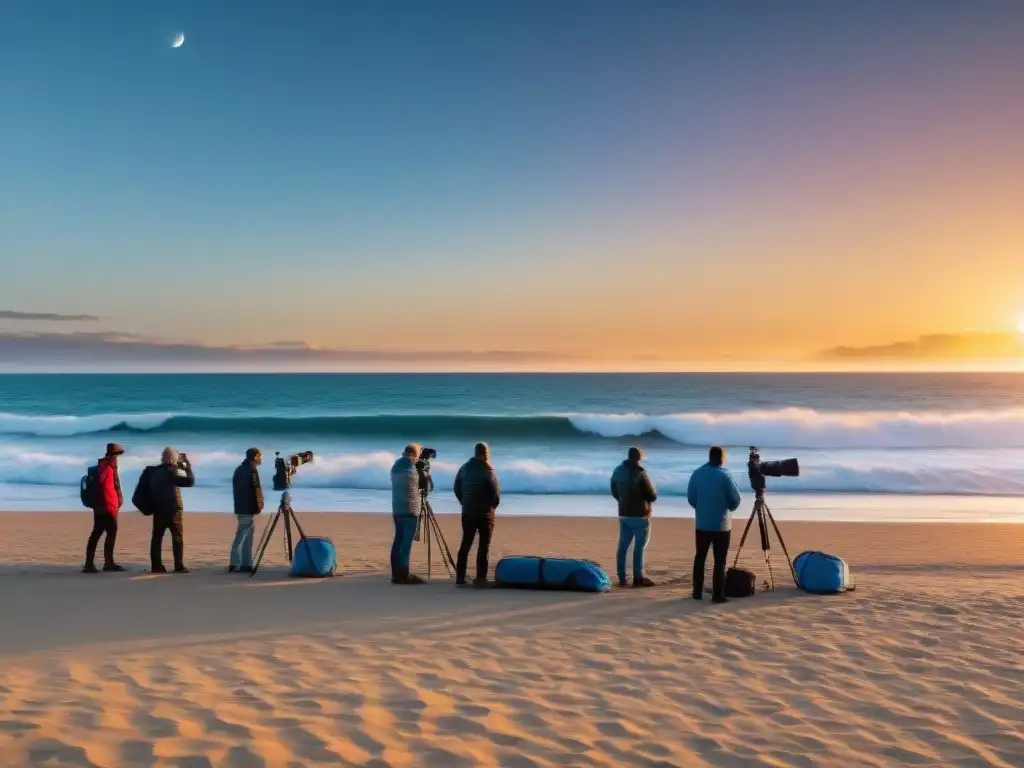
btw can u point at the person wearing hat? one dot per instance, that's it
(108, 504)
(632, 488)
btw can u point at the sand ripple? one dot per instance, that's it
(919, 667)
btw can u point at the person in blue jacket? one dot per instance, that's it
(713, 494)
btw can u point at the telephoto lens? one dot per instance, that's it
(780, 468)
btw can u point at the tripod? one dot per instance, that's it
(764, 516)
(284, 510)
(430, 531)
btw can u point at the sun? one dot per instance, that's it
(1020, 327)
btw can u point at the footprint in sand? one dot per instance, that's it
(460, 725)
(47, 751)
(17, 727)
(137, 753)
(241, 757)
(442, 758)
(472, 710)
(154, 727)
(308, 746)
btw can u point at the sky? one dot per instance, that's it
(560, 183)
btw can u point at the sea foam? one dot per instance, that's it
(972, 472)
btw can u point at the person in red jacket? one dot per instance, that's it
(105, 513)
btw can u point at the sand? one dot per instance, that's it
(923, 665)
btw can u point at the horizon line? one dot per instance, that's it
(1017, 368)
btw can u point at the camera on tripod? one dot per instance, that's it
(423, 468)
(285, 469)
(423, 462)
(758, 470)
(427, 527)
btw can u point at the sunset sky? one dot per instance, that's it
(659, 183)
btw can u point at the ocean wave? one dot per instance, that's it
(69, 426)
(980, 475)
(796, 428)
(789, 428)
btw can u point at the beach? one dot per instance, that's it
(920, 665)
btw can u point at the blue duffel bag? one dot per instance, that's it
(527, 572)
(314, 557)
(822, 574)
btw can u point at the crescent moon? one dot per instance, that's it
(179, 40)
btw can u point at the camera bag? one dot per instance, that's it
(315, 557)
(531, 572)
(739, 582)
(822, 574)
(142, 499)
(89, 488)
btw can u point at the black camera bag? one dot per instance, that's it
(739, 582)
(142, 499)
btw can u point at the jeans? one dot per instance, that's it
(471, 526)
(719, 540)
(241, 547)
(635, 530)
(102, 522)
(162, 524)
(401, 547)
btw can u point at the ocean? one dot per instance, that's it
(871, 447)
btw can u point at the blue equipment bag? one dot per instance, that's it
(525, 572)
(314, 557)
(822, 574)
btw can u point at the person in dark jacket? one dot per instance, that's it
(713, 494)
(248, 499)
(632, 488)
(477, 489)
(165, 485)
(104, 514)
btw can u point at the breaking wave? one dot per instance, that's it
(791, 428)
(976, 474)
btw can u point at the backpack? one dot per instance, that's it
(142, 499)
(315, 557)
(822, 574)
(89, 488)
(739, 582)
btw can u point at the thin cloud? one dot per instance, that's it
(115, 348)
(937, 346)
(45, 317)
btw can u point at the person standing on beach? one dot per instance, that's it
(632, 488)
(247, 493)
(166, 483)
(478, 491)
(713, 494)
(405, 509)
(104, 514)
